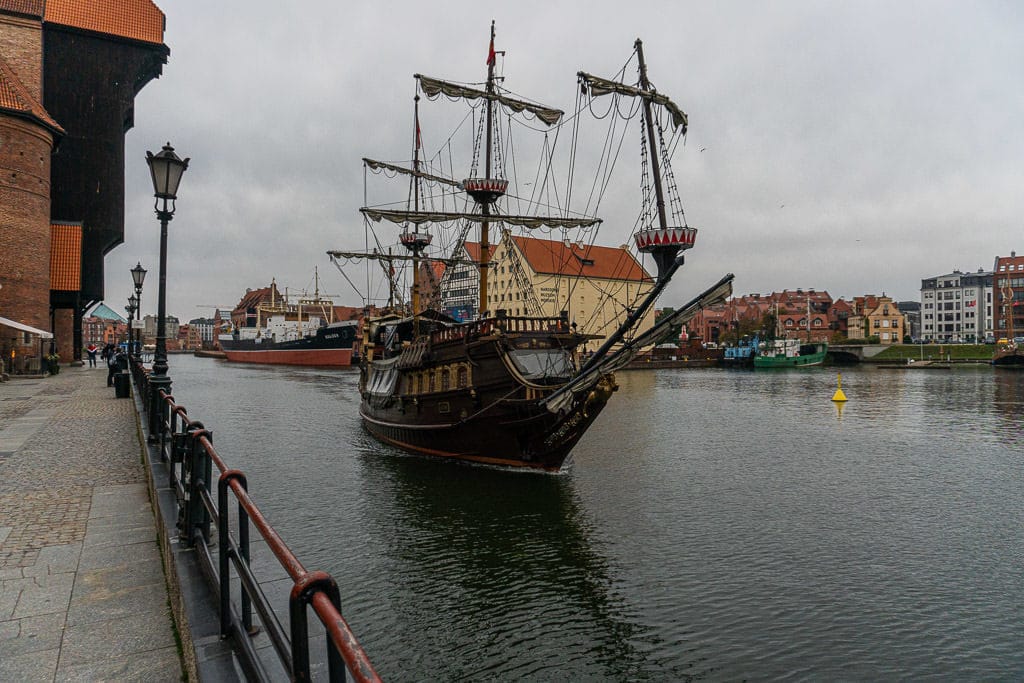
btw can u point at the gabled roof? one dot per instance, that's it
(66, 257)
(139, 20)
(473, 250)
(106, 313)
(552, 257)
(347, 312)
(16, 99)
(253, 297)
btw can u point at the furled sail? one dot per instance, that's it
(562, 399)
(418, 217)
(375, 165)
(433, 86)
(377, 256)
(602, 86)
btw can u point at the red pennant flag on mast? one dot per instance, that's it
(490, 53)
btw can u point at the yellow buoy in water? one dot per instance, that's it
(839, 396)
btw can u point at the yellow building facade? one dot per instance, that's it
(594, 285)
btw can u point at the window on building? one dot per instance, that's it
(446, 380)
(462, 377)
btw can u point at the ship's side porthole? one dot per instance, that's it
(443, 407)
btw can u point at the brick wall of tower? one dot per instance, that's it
(25, 149)
(21, 44)
(64, 334)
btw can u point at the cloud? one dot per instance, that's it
(853, 147)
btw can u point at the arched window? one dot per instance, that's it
(462, 377)
(446, 381)
(430, 376)
(419, 383)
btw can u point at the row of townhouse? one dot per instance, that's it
(804, 314)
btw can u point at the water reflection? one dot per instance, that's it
(1009, 402)
(720, 524)
(494, 562)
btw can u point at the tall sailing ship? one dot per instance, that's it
(504, 389)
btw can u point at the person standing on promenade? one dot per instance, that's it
(113, 364)
(92, 350)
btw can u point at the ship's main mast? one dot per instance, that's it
(485, 207)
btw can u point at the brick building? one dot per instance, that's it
(794, 310)
(1008, 291)
(69, 73)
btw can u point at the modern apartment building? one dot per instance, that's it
(957, 307)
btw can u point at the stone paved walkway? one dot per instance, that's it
(82, 589)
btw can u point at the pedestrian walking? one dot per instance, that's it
(92, 350)
(114, 364)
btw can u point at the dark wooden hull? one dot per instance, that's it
(523, 435)
(1008, 359)
(461, 396)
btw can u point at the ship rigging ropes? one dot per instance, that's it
(437, 198)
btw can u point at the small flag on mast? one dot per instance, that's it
(490, 53)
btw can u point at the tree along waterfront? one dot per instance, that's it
(731, 524)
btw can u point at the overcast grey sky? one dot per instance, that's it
(856, 147)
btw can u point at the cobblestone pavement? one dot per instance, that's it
(82, 591)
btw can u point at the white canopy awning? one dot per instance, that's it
(26, 328)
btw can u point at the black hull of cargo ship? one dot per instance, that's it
(331, 346)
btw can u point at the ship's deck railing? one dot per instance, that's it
(504, 324)
(186, 446)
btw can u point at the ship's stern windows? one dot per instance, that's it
(538, 365)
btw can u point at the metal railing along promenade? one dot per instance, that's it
(186, 447)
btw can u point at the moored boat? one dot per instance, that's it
(778, 351)
(741, 354)
(790, 353)
(1009, 351)
(285, 333)
(504, 388)
(329, 345)
(1009, 354)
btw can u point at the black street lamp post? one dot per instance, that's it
(166, 169)
(133, 306)
(138, 277)
(128, 335)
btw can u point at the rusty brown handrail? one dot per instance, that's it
(190, 446)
